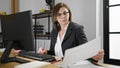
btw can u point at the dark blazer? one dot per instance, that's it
(74, 36)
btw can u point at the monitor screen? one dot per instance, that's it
(17, 32)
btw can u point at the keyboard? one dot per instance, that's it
(39, 57)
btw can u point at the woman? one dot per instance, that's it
(65, 34)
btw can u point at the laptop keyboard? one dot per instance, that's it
(39, 57)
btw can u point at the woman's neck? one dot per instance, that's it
(63, 26)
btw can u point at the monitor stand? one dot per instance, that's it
(5, 56)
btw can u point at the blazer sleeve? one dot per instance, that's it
(80, 35)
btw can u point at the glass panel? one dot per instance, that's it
(112, 2)
(114, 46)
(114, 19)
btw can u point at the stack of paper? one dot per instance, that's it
(84, 64)
(80, 64)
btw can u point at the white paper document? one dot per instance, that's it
(34, 64)
(81, 52)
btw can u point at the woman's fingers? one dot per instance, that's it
(42, 51)
(99, 56)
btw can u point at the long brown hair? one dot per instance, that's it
(56, 9)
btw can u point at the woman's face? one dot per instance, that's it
(63, 16)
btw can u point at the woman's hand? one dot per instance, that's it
(42, 51)
(99, 56)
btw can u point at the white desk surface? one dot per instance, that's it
(109, 66)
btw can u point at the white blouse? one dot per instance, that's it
(58, 47)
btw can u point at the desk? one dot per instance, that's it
(109, 66)
(12, 64)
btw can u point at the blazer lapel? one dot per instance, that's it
(68, 32)
(55, 36)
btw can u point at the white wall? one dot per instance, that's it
(34, 5)
(100, 20)
(5, 5)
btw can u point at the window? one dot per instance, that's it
(112, 31)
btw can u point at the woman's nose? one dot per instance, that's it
(63, 16)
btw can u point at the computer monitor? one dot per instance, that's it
(17, 32)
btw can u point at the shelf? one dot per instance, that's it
(42, 15)
(46, 14)
(42, 35)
